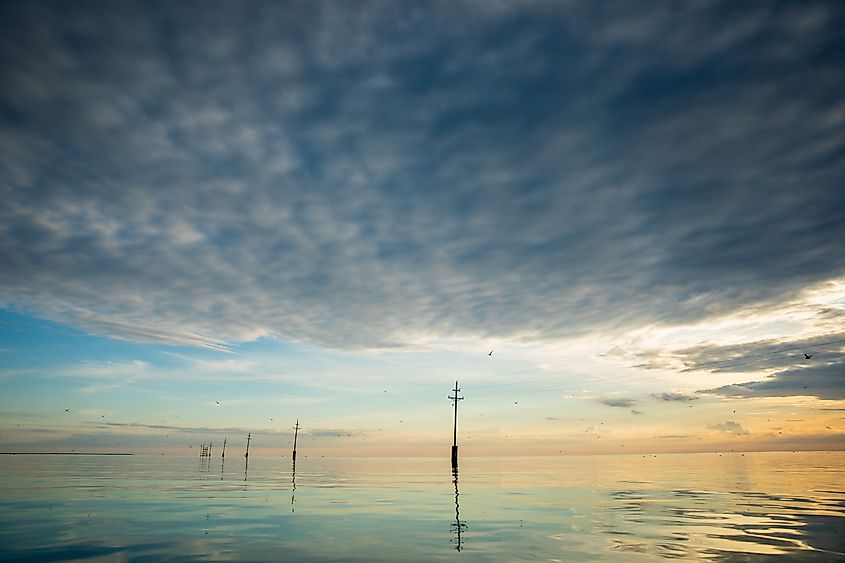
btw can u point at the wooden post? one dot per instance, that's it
(224, 448)
(248, 438)
(211, 445)
(455, 398)
(295, 434)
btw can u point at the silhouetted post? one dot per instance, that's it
(211, 445)
(295, 434)
(224, 448)
(248, 438)
(455, 432)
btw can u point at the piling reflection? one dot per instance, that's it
(458, 526)
(246, 468)
(293, 486)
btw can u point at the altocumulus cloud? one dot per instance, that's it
(825, 381)
(672, 396)
(373, 174)
(781, 368)
(620, 403)
(729, 427)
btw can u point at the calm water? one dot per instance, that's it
(770, 506)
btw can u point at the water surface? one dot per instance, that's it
(734, 507)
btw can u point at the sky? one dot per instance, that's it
(219, 218)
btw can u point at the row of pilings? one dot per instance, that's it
(205, 449)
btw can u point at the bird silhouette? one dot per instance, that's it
(67, 410)
(491, 353)
(218, 402)
(807, 356)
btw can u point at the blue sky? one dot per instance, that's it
(332, 211)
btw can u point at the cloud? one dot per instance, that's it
(787, 370)
(730, 427)
(621, 403)
(674, 397)
(772, 367)
(316, 433)
(824, 381)
(763, 355)
(369, 176)
(123, 371)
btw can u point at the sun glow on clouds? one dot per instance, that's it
(816, 312)
(565, 395)
(586, 389)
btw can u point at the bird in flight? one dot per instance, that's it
(807, 356)
(67, 410)
(491, 353)
(218, 402)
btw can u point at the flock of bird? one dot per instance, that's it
(490, 353)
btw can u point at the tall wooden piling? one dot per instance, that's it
(248, 438)
(295, 434)
(224, 449)
(455, 398)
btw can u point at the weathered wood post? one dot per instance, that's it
(455, 398)
(295, 434)
(248, 438)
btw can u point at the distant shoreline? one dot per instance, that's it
(58, 453)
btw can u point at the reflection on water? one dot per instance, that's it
(293, 485)
(458, 526)
(610, 508)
